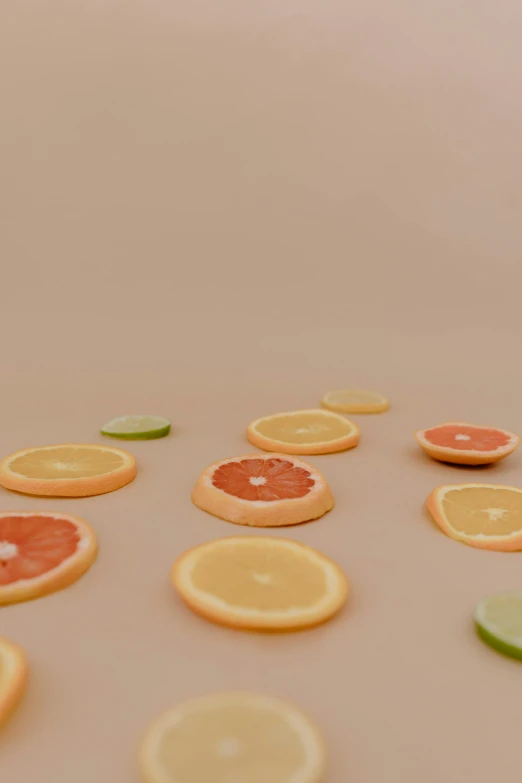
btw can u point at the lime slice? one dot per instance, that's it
(499, 622)
(137, 427)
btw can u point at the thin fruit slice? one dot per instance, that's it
(486, 516)
(263, 490)
(68, 470)
(260, 583)
(137, 427)
(498, 619)
(355, 401)
(304, 432)
(41, 553)
(233, 737)
(13, 678)
(467, 444)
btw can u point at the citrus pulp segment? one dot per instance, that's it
(263, 490)
(137, 427)
(41, 553)
(355, 401)
(67, 470)
(304, 432)
(260, 583)
(243, 737)
(13, 678)
(498, 619)
(486, 516)
(467, 444)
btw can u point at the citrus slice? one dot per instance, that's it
(13, 678)
(41, 553)
(137, 427)
(233, 738)
(68, 470)
(355, 401)
(498, 620)
(467, 444)
(303, 432)
(263, 490)
(486, 516)
(260, 583)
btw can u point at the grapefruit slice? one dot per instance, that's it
(243, 737)
(498, 619)
(486, 516)
(13, 678)
(41, 553)
(467, 444)
(68, 470)
(304, 432)
(263, 490)
(355, 401)
(260, 583)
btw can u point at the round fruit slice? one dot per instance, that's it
(41, 553)
(137, 427)
(263, 491)
(260, 583)
(304, 432)
(499, 622)
(243, 737)
(68, 470)
(467, 444)
(13, 678)
(486, 516)
(355, 401)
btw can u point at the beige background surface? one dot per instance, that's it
(215, 211)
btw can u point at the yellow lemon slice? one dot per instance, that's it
(355, 401)
(304, 432)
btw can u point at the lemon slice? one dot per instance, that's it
(355, 401)
(499, 622)
(315, 431)
(137, 427)
(13, 678)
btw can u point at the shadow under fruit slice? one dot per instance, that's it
(243, 737)
(260, 583)
(467, 444)
(315, 431)
(41, 553)
(263, 490)
(486, 516)
(498, 619)
(13, 678)
(67, 470)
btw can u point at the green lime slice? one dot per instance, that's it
(499, 622)
(137, 427)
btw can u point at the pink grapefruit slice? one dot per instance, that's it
(41, 553)
(467, 444)
(263, 490)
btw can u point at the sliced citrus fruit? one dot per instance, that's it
(137, 427)
(68, 470)
(13, 678)
(498, 620)
(355, 401)
(41, 553)
(263, 490)
(486, 516)
(304, 432)
(233, 738)
(467, 444)
(260, 583)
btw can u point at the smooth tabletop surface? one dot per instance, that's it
(216, 211)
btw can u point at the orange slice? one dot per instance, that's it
(304, 432)
(263, 490)
(467, 444)
(233, 738)
(260, 583)
(41, 553)
(355, 401)
(13, 678)
(68, 470)
(486, 516)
